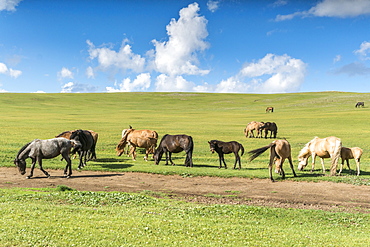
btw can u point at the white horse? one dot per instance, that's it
(328, 147)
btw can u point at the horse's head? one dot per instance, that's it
(303, 156)
(212, 146)
(120, 149)
(157, 156)
(21, 165)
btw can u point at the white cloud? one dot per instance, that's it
(353, 69)
(333, 8)
(212, 5)
(271, 74)
(72, 87)
(178, 55)
(65, 73)
(166, 83)
(9, 71)
(9, 5)
(141, 83)
(90, 73)
(364, 50)
(123, 60)
(38, 91)
(337, 58)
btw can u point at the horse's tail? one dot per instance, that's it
(335, 157)
(257, 152)
(191, 144)
(241, 148)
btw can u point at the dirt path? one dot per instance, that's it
(261, 192)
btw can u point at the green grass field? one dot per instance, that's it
(49, 217)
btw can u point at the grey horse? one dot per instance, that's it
(38, 150)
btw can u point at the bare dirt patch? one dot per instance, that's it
(210, 190)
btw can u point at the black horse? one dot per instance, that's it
(269, 126)
(175, 144)
(85, 144)
(358, 104)
(226, 148)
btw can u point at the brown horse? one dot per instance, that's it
(253, 126)
(138, 138)
(351, 153)
(222, 148)
(279, 151)
(269, 109)
(329, 147)
(269, 126)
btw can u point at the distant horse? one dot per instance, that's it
(269, 109)
(132, 136)
(329, 147)
(138, 138)
(85, 143)
(95, 135)
(222, 148)
(351, 153)
(174, 144)
(269, 126)
(279, 151)
(358, 104)
(253, 126)
(38, 150)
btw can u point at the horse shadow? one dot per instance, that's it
(88, 176)
(111, 163)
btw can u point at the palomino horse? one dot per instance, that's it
(222, 148)
(269, 109)
(329, 147)
(350, 153)
(358, 104)
(175, 144)
(138, 138)
(253, 126)
(279, 151)
(269, 126)
(95, 135)
(38, 150)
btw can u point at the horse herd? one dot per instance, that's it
(83, 143)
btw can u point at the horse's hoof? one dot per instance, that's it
(28, 177)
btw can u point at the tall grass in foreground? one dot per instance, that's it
(50, 218)
(300, 117)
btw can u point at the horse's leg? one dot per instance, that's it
(358, 166)
(272, 158)
(170, 158)
(313, 161)
(166, 157)
(291, 166)
(133, 152)
(341, 167)
(188, 160)
(322, 164)
(237, 159)
(222, 159)
(32, 167)
(40, 165)
(146, 154)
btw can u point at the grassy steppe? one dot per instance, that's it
(299, 117)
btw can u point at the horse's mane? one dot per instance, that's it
(23, 148)
(306, 148)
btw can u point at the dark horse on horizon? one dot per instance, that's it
(222, 148)
(358, 104)
(38, 150)
(175, 144)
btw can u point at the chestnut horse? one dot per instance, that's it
(279, 151)
(269, 109)
(138, 138)
(329, 147)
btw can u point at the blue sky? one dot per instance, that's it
(225, 46)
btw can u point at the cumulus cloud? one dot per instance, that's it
(332, 8)
(65, 73)
(165, 83)
(121, 60)
(141, 83)
(9, 5)
(9, 71)
(364, 50)
(271, 74)
(178, 55)
(337, 58)
(90, 73)
(212, 5)
(72, 87)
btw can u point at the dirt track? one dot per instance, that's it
(261, 192)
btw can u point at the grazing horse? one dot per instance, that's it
(358, 104)
(175, 144)
(138, 138)
(38, 150)
(279, 151)
(95, 135)
(222, 148)
(329, 147)
(252, 126)
(351, 153)
(269, 126)
(269, 109)
(85, 143)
